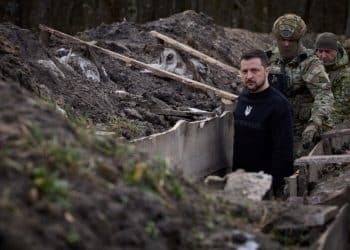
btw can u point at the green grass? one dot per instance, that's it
(121, 126)
(291, 238)
(153, 175)
(72, 238)
(77, 120)
(152, 229)
(63, 156)
(36, 134)
(50, 185)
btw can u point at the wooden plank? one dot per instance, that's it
(172, 112)
(318, 149)
(156, 71)
(337, 234)
(313, 171)
(336, 133)
(194, 52)
(319, 160)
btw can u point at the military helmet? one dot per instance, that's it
(289, 26)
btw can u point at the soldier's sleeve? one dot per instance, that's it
(345, 92)
(318, 83)
(342, 95)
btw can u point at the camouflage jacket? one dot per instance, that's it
(339, 74)
(306, 84)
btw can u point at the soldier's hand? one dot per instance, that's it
(317, 121)
(309, 135)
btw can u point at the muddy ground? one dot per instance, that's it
(140, 111)
(63, 187)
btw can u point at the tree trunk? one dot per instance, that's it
(347, 29)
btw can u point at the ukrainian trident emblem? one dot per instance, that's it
(247, 110)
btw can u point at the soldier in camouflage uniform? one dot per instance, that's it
(300, 75)
(335, 60)
(346, 46)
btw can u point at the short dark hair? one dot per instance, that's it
(255, 53)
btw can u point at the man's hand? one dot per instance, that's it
(309, 135)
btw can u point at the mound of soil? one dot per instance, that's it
(63, 188)
(139, 111)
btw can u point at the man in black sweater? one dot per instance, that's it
(263, 123)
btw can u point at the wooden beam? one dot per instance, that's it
(336, 133)
(194, 52)
(172, 112)
(318, 149)
(320, 160)
(156, 71)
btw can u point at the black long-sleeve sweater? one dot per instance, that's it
(264, 134)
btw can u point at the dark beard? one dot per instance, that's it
(258, 87)
(289, 53)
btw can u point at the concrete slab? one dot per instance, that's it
(196, 149)
(241, 184)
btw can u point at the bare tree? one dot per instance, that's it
(308, 10)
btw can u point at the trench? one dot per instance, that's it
(202, 148)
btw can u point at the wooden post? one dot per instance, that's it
(292, 182)
(194, 52)
(156, 71)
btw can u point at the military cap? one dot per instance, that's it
(326, 40)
